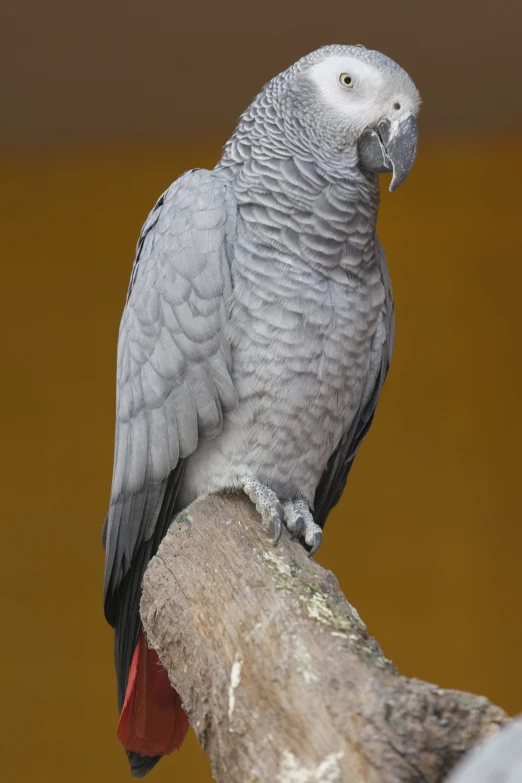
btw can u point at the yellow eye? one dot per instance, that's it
(346, 80)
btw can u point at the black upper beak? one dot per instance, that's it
(391, 146)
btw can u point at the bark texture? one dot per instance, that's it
(276, 670)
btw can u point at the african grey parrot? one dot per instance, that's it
(256, 336)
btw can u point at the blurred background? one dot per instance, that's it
(102, 106)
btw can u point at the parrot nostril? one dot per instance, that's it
(397, 106)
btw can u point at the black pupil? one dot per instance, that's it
(347, 80)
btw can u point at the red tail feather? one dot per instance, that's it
(152, 721)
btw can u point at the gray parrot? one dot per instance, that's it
(256, 337)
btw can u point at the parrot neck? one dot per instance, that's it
(313, 218)
(264, 132)
(311, 200)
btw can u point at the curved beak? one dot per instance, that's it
(391, 146)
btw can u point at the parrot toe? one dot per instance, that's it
(312, 533)
(300, 522)
(293, 520)
(278, 529)
(318, 538)
(299, 527)
(266, 502)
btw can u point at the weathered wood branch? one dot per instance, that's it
(277, 673)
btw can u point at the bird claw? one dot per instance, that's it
(295, 514)
(299, 527)
(278, 529)
(318, 538)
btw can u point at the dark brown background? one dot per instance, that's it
(89, 70)
(102, 106)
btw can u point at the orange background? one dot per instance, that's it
(426, 541)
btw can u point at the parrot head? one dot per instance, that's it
(373, 103)
(348, 105)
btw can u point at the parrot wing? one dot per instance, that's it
(334, 478)
(173, 381)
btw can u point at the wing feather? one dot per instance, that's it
(174, 361)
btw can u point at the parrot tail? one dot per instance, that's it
(152, 721)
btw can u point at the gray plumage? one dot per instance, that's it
(258, 327)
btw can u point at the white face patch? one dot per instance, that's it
(374, 95)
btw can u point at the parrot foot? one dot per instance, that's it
(295, 514)
(266, 502)
(300, 522)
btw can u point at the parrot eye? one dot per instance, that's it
(346, 80)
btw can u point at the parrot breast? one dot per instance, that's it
(308, 296)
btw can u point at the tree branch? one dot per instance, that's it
(276, 670)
